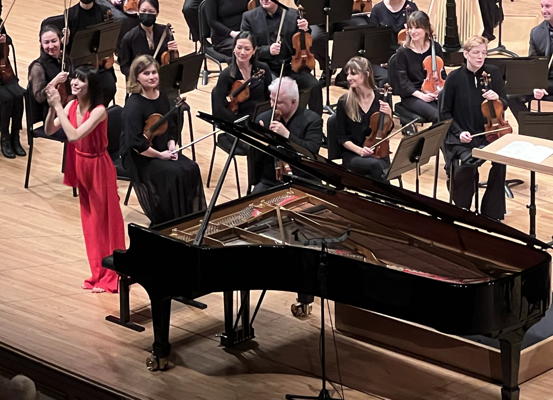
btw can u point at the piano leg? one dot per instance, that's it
(161, 315)
(510, 345)
(234, 335)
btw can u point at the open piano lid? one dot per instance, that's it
(340, 178)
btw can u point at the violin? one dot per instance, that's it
(169, 56)
(362, 6)
(157, 124)
(381, 125)
(494, 112)
(240, 91)
(402, 34)
(130, 6)
(433, 65)
(302, 42)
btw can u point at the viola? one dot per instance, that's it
(169, 56)
(240, 90)
(130, 6)
(433, 65)
(494, 112)
(381, 125)
(362, 6)
(302, 42)
(157, 124)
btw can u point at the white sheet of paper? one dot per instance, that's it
(526, 151)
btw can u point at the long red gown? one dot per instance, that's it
(95, 177)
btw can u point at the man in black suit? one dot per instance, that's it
(263, 22)
(541, 44)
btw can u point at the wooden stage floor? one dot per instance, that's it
(44, 312)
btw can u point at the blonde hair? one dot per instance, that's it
(139, 64)
(288, 88)
(358, 65)
(474, 41)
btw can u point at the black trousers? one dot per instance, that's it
(190, 12)
(464, 176)
(428, 111)
(371, 167)
(11, 107)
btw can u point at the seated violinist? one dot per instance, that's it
(11, 102)
(354, 114)
(465, 90)
(145, 38)
(300, 126)
(47, 68)
(413, 63)
(169, 185)
(224, 18)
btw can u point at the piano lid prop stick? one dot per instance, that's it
(393, 133)
(245, 117)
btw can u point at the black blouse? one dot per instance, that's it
(135, 44)
(409, 70)
(137, 110)
(382, 16)
(259, 92)
(348, 130)
(224, 16)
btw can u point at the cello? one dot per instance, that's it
(302, 42)
(381, 125)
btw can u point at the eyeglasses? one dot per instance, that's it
(477, 53)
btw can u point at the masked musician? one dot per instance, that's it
(408, 74)
(263, 22)
(173, 185)
(353, 115)
(145, 38)
(81, 16)
(463, 95)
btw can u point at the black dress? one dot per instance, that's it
(355, 132)
(169, 188)
(224, 16)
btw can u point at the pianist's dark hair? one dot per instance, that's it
(89, 74)
(233, 68)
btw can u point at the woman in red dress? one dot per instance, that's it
(84, 121)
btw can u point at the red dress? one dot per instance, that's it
(101, 217)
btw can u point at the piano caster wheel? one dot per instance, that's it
(301, 310)
(155, 363)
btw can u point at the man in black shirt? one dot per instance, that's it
(463, 95)
(263, 22)
(541, 44)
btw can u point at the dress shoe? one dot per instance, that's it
(16, 145)
(6, 146)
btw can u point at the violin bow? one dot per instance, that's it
(7, 15)
(394, 133)
(278, 91)
(161, 39)
(66, 19)
(492, 131)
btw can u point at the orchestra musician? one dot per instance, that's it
(263, 22)
(224, 18)
(80, 16)
(144, 38)
(84, 121)
(298, 125)
(190, 14)
(173, 182)
(408, 71)
(11, 103)
(462, 99)
(243, 66)
(353, 116)
(541, 44)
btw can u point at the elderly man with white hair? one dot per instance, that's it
(299, 125)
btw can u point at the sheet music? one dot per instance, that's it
(526, 151)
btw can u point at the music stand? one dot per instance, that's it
(178, 77)
(327, 12)
(375, 44)
(522, 74)
(94, 43)
(414, 151)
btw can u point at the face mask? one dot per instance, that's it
(147, 19)
(87, 1)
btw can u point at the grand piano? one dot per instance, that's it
(398, 253)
